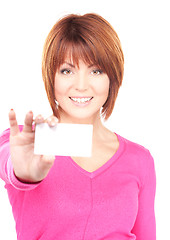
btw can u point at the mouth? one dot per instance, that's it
(81, 100)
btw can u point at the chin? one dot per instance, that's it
(81, 118)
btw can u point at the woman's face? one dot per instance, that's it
(80, 91)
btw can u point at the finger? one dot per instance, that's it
(52, 121)
(14, 129)
(28, 122)
(39, 119)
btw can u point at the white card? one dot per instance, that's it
(64, 139)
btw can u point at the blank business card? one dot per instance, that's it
(64, 139)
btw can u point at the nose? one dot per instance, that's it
(81, 82)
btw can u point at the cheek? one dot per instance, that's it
(61, 87)
(102, 88)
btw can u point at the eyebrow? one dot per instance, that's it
(71, 65)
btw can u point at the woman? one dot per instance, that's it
(107, 196)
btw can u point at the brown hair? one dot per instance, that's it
(90, 38)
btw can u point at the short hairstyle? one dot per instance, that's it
(90, 38)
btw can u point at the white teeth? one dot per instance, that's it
(81, 100)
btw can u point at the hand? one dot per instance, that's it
(28, 167)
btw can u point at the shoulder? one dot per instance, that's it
(134, 149)
(136, 154)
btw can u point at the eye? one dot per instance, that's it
(66, 71)
(96, 72)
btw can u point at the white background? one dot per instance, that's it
(141, 113)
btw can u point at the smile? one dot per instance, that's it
(81, 100)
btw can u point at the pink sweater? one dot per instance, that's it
(115, 202)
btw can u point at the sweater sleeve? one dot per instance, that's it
(145, 225)
(6, 168)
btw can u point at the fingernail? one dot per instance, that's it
(53, 123)
(39, 117)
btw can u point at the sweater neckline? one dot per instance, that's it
(106, 165)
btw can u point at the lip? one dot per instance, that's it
(80, 97)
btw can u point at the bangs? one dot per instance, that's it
(74, 52)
